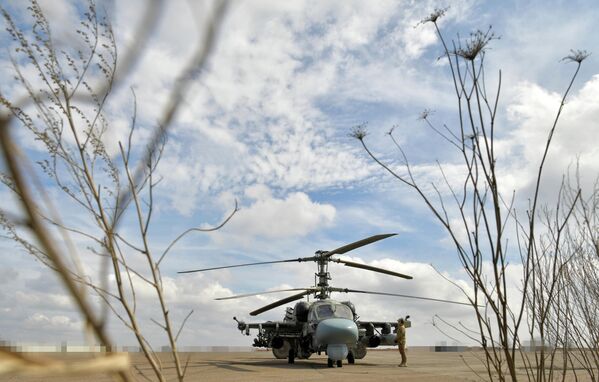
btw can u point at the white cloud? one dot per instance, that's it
(40, 321)
(257, 117)
(269, 217)
(533, 112)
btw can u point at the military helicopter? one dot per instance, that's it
(324, 325)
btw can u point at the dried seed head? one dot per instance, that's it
(476, 44)
(425, 113)
(434, 16)
(359, 131)
(390, 132)
(576, 56)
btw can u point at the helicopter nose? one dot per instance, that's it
(337, 331)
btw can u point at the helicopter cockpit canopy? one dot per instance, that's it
(332, 310)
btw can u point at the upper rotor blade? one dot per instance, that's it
(399, 295)
(243, 265)
(374, 269)
(280, 302)
(259, 293)
(358, 244)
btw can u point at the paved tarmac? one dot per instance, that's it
(378, 365)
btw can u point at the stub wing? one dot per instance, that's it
(381, 324)
(269, 330)
(375, 333)
(274, 325)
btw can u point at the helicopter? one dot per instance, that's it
(323, 325)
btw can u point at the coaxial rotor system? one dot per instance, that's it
(322, 289)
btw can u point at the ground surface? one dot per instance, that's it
(423, 366)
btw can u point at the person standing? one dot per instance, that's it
(401, 341)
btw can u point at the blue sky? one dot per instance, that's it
(267, 124)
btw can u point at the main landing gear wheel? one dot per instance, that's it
(282, 352)
(350, 358)
(330, 362)
(291, 358)
(339, 363)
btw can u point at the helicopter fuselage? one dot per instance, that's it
(332, 328)
(324, 326)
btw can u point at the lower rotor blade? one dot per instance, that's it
(259, 293)
(371, 268)
(280, 302)
(399, 295)
(359, 243)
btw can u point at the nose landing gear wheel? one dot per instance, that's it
(291, 358)
(330, 362)
(350, 358)
(339, 363)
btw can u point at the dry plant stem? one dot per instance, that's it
(495, 241)
(110, 247)
(107, 227)
(235, 209)
(197, 62)
(57, 109)
(156, 280)
(542, 295)
(484, 216)
(37, 227)
(473, 271)
(580, 282)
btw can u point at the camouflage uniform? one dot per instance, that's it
(401, 341)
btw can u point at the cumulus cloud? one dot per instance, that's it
(532, 112)
(40, 321)
(269, 217)
(260, 113)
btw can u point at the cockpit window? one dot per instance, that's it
(334, 310)
(324, 311)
